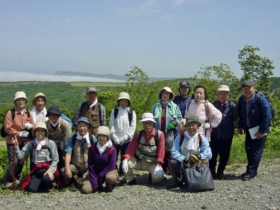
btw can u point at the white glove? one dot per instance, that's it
(116, 141)
(121, 141)
(207, 125)
(125, 166)
(23, 133)
(159, 172)
(28, 126)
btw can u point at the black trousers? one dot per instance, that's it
(40, 182)
(12, 159)
(122, 150)
(221, 148)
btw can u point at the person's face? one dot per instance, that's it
(192, 128)
(39, 103)
(53, 117)
(40, 134)
(248, 91)
(82, 128)
(123, 103)
(184, 91)
(223, 96)
(165, 96)
(20, 103)
(91, 97)
(148, 126)
(102, 139)
(199, 94)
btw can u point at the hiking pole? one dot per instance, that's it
(14, 169)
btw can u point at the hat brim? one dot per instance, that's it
(148, 119)
(85, 123)
(34, 131)
(33, 101)
(53, 112)
(196, 122)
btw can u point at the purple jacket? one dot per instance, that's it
(100, 165)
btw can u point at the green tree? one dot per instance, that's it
(255, 67)
(213, 76)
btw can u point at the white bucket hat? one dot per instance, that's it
(168, 89)
(148, 117)
(103, 130)
(223, 88)
(20, 94)
(40, 125)
(39, 95)
(123, 95)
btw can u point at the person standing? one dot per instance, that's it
(222, 135)
(92, 109)
(183, 98)
(18, 124)
(122, 126)
(255, 115)
(39, 111)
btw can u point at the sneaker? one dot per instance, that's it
(174, 185)
(9, 184)
(121, 177)
(150, 178)
(247, 177)
(17, 182)
(213, 173)
(110, 187)
(131, 182)
(220, 175)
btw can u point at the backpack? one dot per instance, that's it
(3, 132)
(68, 120)
(258, 104)
(140, 135)
(130, 114)
(83, 106)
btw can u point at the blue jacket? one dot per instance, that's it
(182, 103)
(205, 150)
(225, 130)
(257, 117)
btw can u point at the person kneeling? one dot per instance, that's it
(188, 149)
(44, 157)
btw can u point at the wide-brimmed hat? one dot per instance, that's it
(39, 95)
(124, 95)
(168, 89)
(20, 94)
(40, 125)
(249, 83)
(184, 83)
(148, 117)
(103, 130)
(85, 120)
(192, 118)
(54, 110)
(92, 89)
(223, 88)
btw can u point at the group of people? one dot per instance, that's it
(178, 131)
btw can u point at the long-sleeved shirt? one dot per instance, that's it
(134, 144)
(14, 126)
(51, 155)
(120, 127)
(205, 150)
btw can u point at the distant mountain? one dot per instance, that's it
(106, 76)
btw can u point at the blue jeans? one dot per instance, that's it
(254, 150)
(122, 150)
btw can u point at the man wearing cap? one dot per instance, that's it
(145, 152)
(187, 149)
(222, 135)
(183, 98)
(254, 115)
(18, 124)
(92, 109)
(39, 111)
(76, 158)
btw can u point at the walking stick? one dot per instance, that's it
(14, 171)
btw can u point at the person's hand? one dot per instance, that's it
(258, 135)
(28, 126)
(125, 166)
(116, 141)
(193, 159)
(171, 126)
(23, 133)
(14, 141)
(207, 125)
(159, 172)
(49, 174)
(68, 173)
(240, 131)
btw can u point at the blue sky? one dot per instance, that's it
(165, 38)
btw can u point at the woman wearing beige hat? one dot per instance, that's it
(167, 115)
(122, 126)
(39, 111)
(18, 124)
(44, 158)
